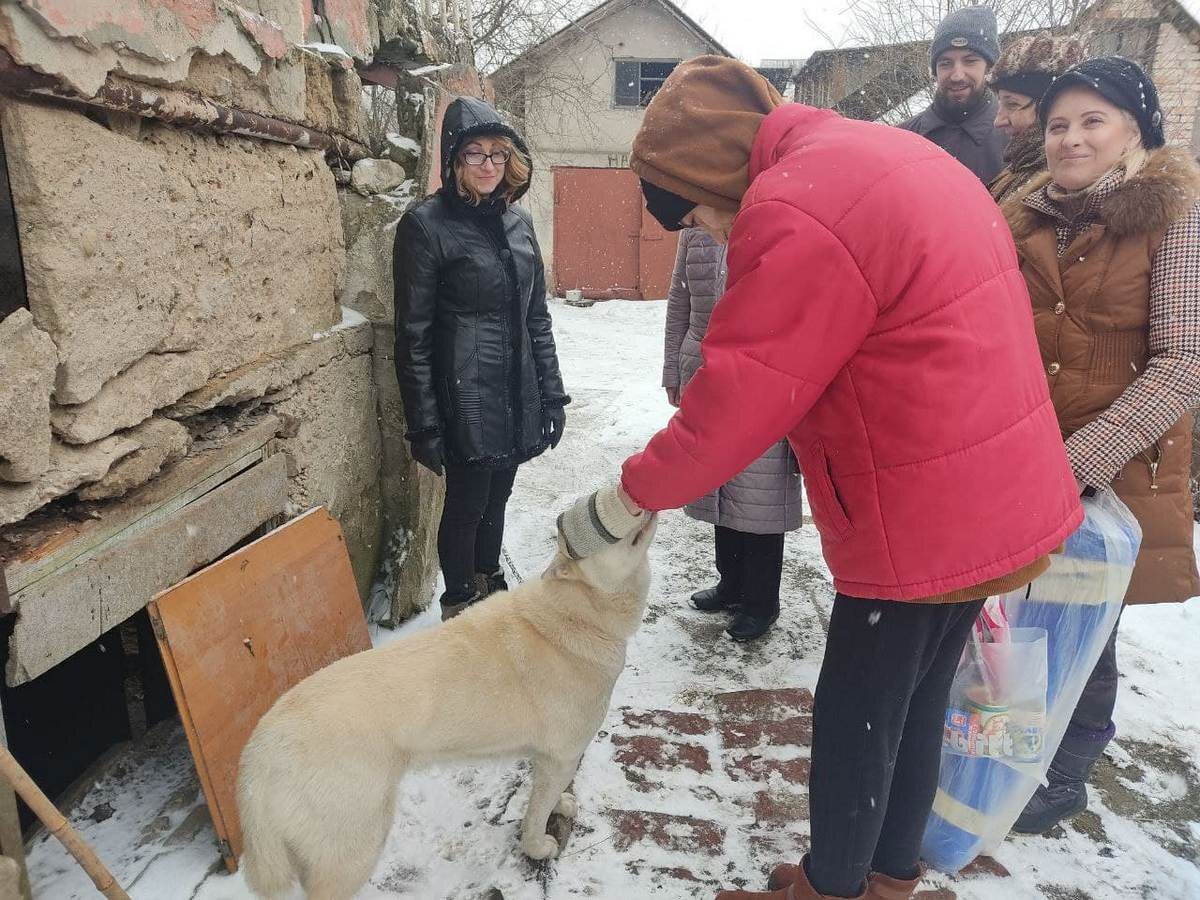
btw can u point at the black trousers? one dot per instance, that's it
(472, 526)
(1094, 711)
(1091, 726)
(750, 566)
(877, 735)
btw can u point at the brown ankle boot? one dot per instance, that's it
(785, 894)
(798, 888)
(884, 887)
(782, 876)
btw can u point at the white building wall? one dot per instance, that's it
(573, 120)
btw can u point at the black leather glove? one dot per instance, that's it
(553, 423)
(427, 450)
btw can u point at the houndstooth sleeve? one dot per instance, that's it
(1170, 385)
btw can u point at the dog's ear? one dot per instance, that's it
(559, 568)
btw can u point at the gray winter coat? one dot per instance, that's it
(976, 142)
(765, 498)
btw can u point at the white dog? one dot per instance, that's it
(527, 673)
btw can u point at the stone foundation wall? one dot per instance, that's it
(181, 283)
(222, 253)
(411, 495)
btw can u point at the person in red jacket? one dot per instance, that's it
(874, 315)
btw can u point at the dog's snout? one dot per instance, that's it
(646, 532)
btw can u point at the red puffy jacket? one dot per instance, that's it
(875, 315)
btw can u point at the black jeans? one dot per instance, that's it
(1091, 726)
(750, 566)
(1094, 711)
(472, 526)
(877, 736)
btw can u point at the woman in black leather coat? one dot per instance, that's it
(475, 355)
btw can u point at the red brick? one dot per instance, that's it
(637, 778)
(681, 834)
(794, 731)
(754, 768)
(763, 704)
(658, 874)
(778, 847)
(780, 808)
(642, 751)
(984, 865)
(684, 723)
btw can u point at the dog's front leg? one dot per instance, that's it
(550, 778)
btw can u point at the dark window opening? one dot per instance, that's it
(12, 274)
(62, 723)
(638, 81)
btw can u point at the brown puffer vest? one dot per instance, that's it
(1091, 311)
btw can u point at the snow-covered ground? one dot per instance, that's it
(674, 798)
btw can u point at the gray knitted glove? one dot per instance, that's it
(594, 522)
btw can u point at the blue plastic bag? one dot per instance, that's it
(1077, 603)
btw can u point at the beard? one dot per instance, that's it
(952, 110)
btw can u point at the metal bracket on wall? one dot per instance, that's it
(178, 108)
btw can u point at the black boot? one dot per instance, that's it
(491, 584)
(727, 595)
(762, 569)
(1066, 793)
(750, 625)
(716, 599)
(454, 602)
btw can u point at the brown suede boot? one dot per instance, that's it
(785, 894)
(879, 886)
(884, 887)
(798, 889)
(782, 875)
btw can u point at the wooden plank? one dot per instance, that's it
(59, 615)
(238, 634)
(190, 478)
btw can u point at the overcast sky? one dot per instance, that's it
(754, 30)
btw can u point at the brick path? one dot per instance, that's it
(759, 740)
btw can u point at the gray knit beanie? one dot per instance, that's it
(969, 28)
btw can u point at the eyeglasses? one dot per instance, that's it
(477, 157)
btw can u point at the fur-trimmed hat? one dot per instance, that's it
(1029, 63)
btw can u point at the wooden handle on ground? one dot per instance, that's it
(15, 775)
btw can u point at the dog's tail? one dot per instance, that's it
(265, 861)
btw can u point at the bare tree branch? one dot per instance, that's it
(379, 104)
(504, 29)
(892, 72)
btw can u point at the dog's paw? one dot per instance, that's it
(567, 806)
(541, 846)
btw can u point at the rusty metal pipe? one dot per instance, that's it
(178, 108)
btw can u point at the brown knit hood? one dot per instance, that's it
(698, 131)
(1155, 198)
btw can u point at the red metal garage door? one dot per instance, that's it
(657, 261)
(604, 244)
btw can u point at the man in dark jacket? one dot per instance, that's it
(960, 120)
